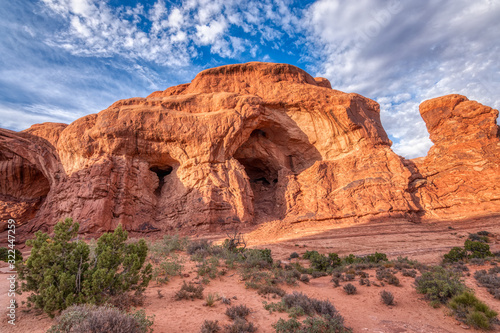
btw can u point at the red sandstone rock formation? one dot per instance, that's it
(461, 173)
(241, 144)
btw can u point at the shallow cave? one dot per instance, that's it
(264, 183)
(24, 181)
(24, 187)
(161, 173)
(269, 155)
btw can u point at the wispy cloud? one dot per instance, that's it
(401, 53)
(62, 59)
(169, 34)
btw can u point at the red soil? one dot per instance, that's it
(363, 312)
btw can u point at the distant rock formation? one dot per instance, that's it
(246, 143)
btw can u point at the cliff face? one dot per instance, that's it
(245, 143)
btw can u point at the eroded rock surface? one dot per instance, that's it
(240, 144)
(461, 173)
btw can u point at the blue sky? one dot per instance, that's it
(62, 59)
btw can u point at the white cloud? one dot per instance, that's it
(211, 32)
(175, 19)
(401, 53)
(396, 52)
(20, 118)
(96, 29)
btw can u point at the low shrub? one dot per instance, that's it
(210, 326)
(490, 280)
(334, 259)
(362, 274)
(189, 291)
(318, 274)
(126, 301)
(467, 308)
(455, 254)
(270, 289)
(96, 319)
(439, 284)
(240, 325)
(294, 255)
(168, 267)
(168, 244)
(350, 289)
(364, 282)
(472, 249)
(393, 280)
(478, 238)
(350, 259)
(384, 274)
(376, 257)
(15, 255)
(304, 278)
(257, 258)
(321, 262)
(405, 263)
(308, 306)
(225, 300)
(291, 276)
(237, 311)
(311, 325)
(477, 261)
(409, 272)
(208, 268)
(60, 272)
(477, 249)
(199, 246)
(387, 297)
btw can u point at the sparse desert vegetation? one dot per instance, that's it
(192, 273)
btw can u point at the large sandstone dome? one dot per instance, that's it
(244, 144)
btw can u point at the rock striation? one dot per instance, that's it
(246, 143)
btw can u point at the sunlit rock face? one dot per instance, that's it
(245, 144)
(461, 172)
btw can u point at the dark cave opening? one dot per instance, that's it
(257, 133)
(271, 155)
(264, 183)
(161, 173)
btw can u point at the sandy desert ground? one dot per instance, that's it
(363, 312)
